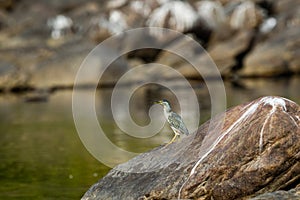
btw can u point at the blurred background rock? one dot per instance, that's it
(42, 43)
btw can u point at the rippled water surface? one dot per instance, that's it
(42, 157)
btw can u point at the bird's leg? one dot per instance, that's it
(173, 139)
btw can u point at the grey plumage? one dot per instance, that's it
(175, 121)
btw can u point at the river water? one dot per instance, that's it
(42, 156)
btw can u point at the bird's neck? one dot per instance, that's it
(167, 111)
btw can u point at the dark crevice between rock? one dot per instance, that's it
(21, 89)
(201, 31)
(8, 6)
(288, 72)
(148, 55)
(60, 87)
(238, 84)
(267, 6)
(241, 56)
(291, 184)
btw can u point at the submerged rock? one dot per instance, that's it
(256, 151)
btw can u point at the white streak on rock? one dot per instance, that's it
(292, 119)
(268, 25)
(114, 4)
(244, 117)
(276, 103)
(248, 113)
(59, 24)
(262, 133)
(141, 7)
(172, 13)
(116, 23)
(212, 12)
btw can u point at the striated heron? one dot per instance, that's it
(175, 121)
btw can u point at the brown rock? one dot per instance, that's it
(168, 16)
(187, 53)
(276, 56)
(60, 71)
(11, 76)
(284, 6)
(246, 15)
(223, 54)
(7, 4)
(256, 151)
(280, 195)
(276, 53)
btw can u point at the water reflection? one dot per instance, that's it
(249, 89)
(41, 155)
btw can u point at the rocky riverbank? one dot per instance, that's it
(254, 155)
(43, 47)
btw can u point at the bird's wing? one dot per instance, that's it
(176, 122)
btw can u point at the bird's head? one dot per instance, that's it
(164, 103)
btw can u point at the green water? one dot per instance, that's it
(42, 157)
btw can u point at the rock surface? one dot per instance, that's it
(276, 56)
(280, 195)
(276, 52)
(256, 151)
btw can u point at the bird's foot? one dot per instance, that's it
(173, 139)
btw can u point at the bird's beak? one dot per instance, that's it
(158, 102)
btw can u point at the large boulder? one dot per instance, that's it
(257, 150)
(276, 56)
(277, 52)
(223, 54)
